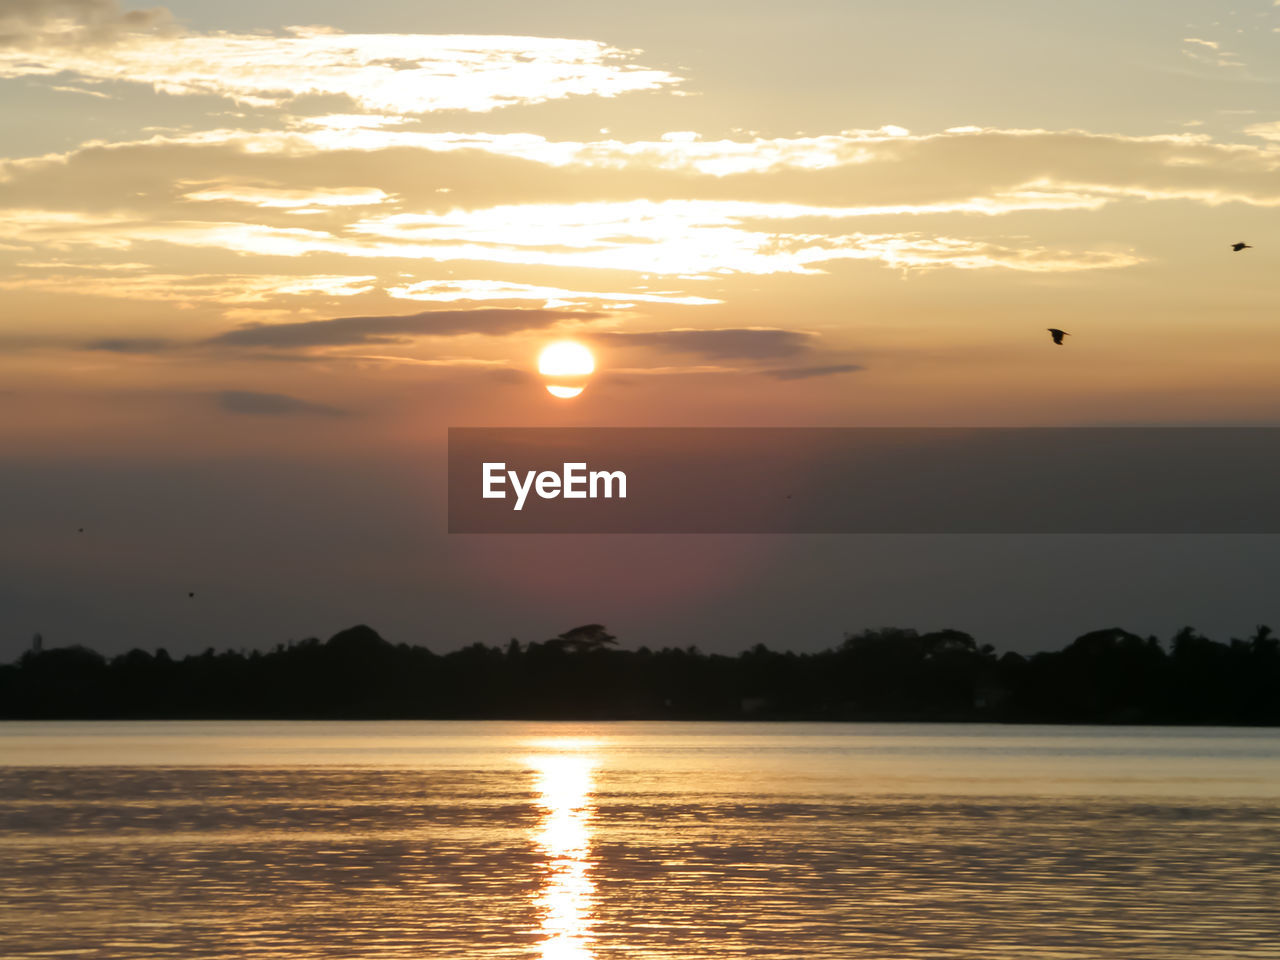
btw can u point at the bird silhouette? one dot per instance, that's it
(1237, 247)
(190, 594)
(1057, 335)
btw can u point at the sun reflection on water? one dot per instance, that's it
(564, 785)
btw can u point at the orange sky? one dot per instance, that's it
(306, 239)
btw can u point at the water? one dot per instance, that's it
(649, 840)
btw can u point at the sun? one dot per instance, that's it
(563, 392)
(566, 365)
(566, 358)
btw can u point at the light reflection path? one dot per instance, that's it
(565, 902)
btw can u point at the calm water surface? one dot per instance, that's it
(650, 840)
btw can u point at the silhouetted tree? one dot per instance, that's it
(1105, 676)
(585, 639)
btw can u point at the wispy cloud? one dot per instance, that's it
(487, 365)
(669, 238)
(130, 344)
(755, 343)
(685, 237)
(291, 199)
(393, 73)
(351, 331)
(672, 219)
(209, 288)
(497, 290)
(83, 22)
(807, 373)
(1209, 53)
(97, 94)
(719, 159)
(673, 152)
(1267, 131)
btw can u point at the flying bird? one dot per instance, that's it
(1057, 335)
(1237, 247)
(190, 594)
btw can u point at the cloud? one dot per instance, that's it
(88, 93)
(187, 288)
(435, 361)
(670, 238)
(754, 343)
(1267, 131)
(976, 162)
(290, 199)
(392, 73)
(906, 201)
(352, 331)
(490, 290)
(675, 154)
(962, 169)
(272, 404)
(919, 251)
(805, 373)
(1209, 52)
(130, 344)
(32, 23)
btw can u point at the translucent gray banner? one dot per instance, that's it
(864, 480)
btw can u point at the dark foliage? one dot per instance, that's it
(1107, 676)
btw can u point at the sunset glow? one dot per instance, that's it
(564, 785)
(665, 480)
(261, 254)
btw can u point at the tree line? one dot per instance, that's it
(889, 674)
